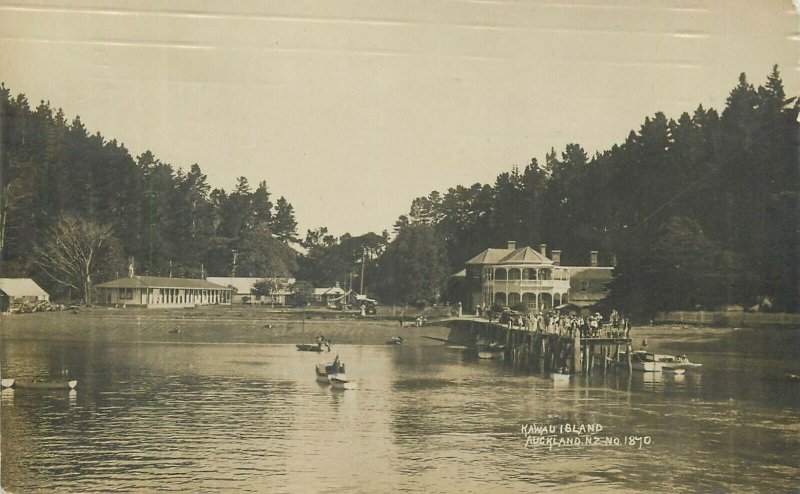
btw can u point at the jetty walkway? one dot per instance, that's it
(542, 351)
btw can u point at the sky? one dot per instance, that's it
(351, 109)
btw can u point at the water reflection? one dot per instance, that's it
(235, 418)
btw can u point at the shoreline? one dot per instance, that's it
(215, 325)
(258, 326)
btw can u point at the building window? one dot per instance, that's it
(126, 293)
(584, 286)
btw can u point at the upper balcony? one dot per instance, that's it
(505, 285)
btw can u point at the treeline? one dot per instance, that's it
(57, 178)
(695, 212)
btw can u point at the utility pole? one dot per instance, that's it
(363, 256)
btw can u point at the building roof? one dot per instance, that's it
(590, 272)
(244, 285)
(21, 287)
(489, 256)
(460, 274)
(524, 255)
(161, 282)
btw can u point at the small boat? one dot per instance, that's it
(490, 351)
(674, 362)
(303, 347)
(13, 383)
(793, 377)
(395, 340)
(327, 372)
(559, 376)
(338, 383)
(645, 362)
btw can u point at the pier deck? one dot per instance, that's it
(547, 352)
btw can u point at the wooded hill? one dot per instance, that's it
(697, 211)
(58, 178)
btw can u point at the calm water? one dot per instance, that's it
(236, 418)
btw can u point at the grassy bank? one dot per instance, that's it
(210, 325)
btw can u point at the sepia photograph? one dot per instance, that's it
(524, 246)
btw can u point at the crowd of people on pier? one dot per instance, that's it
(555, 322)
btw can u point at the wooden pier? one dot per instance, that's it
(546, 352)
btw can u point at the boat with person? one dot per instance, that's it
(644, 362)
(334, 370)
(675, 362)
(13, 383)
(323, 344)
(395, 340)
(307, 347)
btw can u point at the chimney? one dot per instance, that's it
(337, 284)
(556, 258)
(593, 258)
(512, 245)
(543, 249)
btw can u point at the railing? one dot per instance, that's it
(729, 318)
(561, 284)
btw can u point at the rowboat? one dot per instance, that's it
(793, 377)
(303, 347)
(326, 372)
(395, 340)
(342, 384)
(559, 376)
(13, 383)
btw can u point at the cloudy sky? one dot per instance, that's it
(352, 108)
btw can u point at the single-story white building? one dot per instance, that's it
(243, 289)
(330, 297)
(156, 291)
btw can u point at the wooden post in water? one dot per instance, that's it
(630, 351)
(575, 365)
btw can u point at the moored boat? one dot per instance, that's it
(675, 362)
(13, 383)
(559, 376)
(491, 351)
(645, 362)
(490, 354)
(395, 340)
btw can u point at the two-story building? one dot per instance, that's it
(514, 276)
